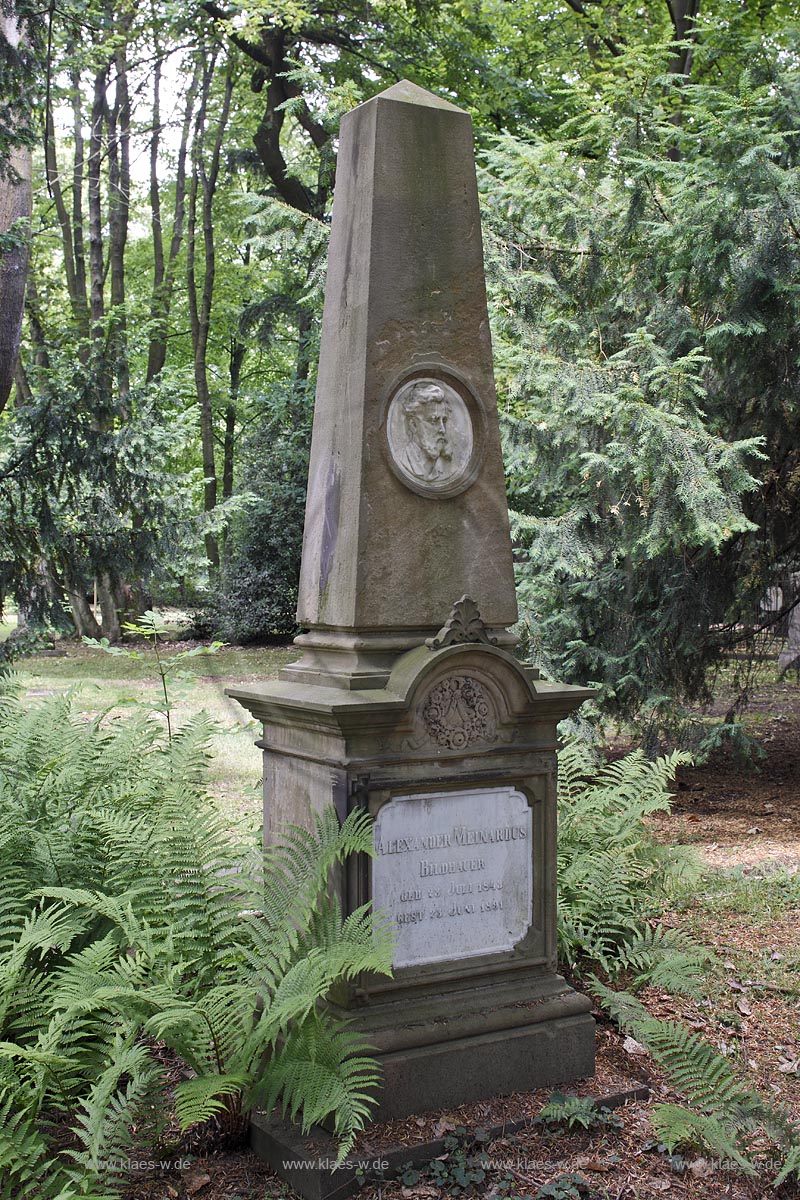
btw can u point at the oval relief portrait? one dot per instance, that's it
(431, 438)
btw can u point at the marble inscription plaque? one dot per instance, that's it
(453, 870)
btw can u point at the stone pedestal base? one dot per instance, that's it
(455, 759)
(494, 1064)
(476, 1039)
(432, 1077)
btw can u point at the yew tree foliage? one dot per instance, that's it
(644, 265)
(257, 595)
(89, 495)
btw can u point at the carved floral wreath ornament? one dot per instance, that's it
(457, 713)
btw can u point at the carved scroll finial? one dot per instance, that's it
(464, 625)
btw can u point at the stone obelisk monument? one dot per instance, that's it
(406, 496)
(407, 698)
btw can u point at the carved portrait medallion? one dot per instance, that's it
(458, 712)
(431, 438)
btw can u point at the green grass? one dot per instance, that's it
(75, 663)
(106, 683)
(762, 895)
(8, 623)
(757, 908)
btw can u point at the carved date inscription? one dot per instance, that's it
(453, 871)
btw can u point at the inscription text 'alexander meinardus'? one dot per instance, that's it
(460, 836)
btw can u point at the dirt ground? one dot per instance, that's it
(745, 824)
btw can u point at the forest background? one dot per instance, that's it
(167, 178)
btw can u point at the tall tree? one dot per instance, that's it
(18, 67)
(311, 62)
(646, 302)
(165, 263)
(206, 153)
(80, 515)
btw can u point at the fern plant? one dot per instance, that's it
(612, 877)
(132, 913)
(167, 666)
(724, 1110)
(611, 871)
(576, 1112)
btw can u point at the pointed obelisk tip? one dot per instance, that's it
(406, 92)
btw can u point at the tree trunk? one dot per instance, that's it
(72, 239)
(15, 206)
(54, 189)
(23, 395)
(203, 186)
(108, 608)
(119, 180)
(237, 355)
(238, 350)
(683, 14)
(82, 616)
(267, 138)
(96, 263)
(274, 50)
(164, 271)
(158, 333)
(80, 299)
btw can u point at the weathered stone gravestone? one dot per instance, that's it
(790, 654)
(407, 699)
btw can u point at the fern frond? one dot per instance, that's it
(23, 1150)
(709, 1081)
(791, 1167)
(665, 958)
(111, 1111)
(629, 1013)
(724, 1106)
(27, 1167)
(320, 1072)
(679, 1127)
(610, 869)
(204, 1096)
(572, 1110)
